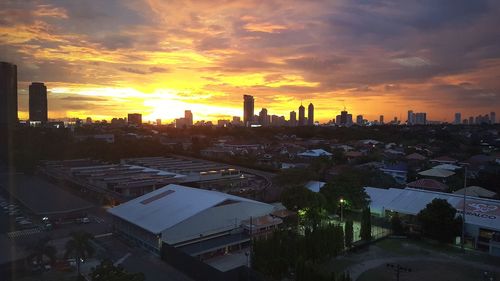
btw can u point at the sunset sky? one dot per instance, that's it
(106, 58)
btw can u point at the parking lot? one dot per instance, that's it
(42, 197)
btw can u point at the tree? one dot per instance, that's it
(42, 249)
(366, 225)
(349, 233)
(106, 271)
(79, 247)
(297, 197)
(438, 221)
(397, 226)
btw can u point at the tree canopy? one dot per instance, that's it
(438, 221)
(106, 271)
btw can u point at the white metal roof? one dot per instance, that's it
(449, 167)
(315, 153)
(479, 211)
(171, 205)
(315, 186)
(439, 173)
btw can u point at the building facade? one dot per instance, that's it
(310, 115)
(248, 109)
(38, 110)
(302, 115)
(135, 119)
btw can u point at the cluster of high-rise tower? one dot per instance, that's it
(264, 119)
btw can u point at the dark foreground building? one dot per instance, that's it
(8, 108)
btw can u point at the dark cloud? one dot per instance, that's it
(157, 69)
(132, 70)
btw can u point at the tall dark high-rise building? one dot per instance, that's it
(38, 102)
(263, 117)
(343, 117)
(8, 95)
(302, 115)
(310, 115)
(188, 116)
(248, 109)
(8, 109)
(293, 119)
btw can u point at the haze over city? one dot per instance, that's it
(104, 59)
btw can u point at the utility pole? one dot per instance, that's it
(463, 210)
(398, 269)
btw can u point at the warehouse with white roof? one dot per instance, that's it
(199, 222)
(482, 216)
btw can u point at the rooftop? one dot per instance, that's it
(170, 205)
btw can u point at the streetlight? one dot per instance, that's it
(463, 210)
(341, 209)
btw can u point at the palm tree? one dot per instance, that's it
(41, 249)
(79, 247)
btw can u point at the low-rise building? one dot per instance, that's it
(482, 216)
(199, 222)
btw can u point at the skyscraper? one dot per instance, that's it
(302, 115)
(248, 109)
(293, 119)
(359, 120)
(310, 115)
(381, 119)
(8, 95)
(471, 120)
(411, 118)
(493, 117)
(8, 109)
(263, 117)
(458, 118)
(343, 117)
(38, 102)
(188, 116)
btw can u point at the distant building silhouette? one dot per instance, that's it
(493, 117)
(135, 119)
(420, 118)
(359, 120)
(411, 118)
(38, 102)
(302, 115)
(343, 117)
(248, 109)
(188, 116)
(293, 119)
(263, 117)
(458, 118)
(381, 119)
(310, 115)
(8, 109)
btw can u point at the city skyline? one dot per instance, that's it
(139, 57)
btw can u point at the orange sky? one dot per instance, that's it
(104, 59)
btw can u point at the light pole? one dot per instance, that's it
(342, 209)
(463, 210)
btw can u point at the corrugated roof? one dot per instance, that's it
(439, 173)
(428, 184)
(449, 167)
(479, 211)
(476, 191)
(170, 205)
